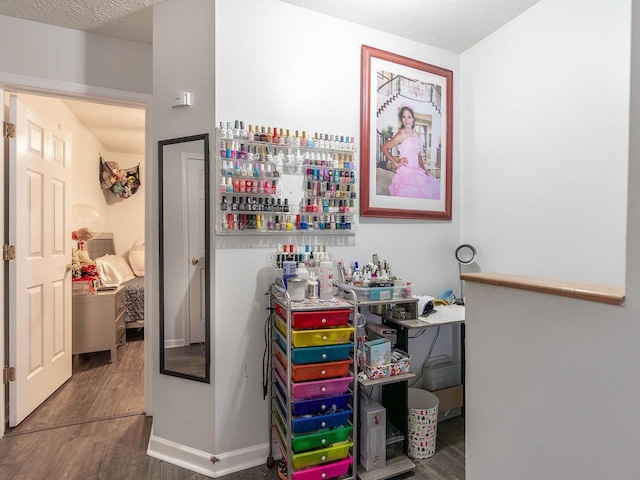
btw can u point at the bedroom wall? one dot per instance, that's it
(124, 218)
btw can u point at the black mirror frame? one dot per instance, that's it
(207, 348)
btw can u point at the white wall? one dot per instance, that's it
(183, 53)
(294, 68)
(544, 142)
(123, 217)
(63, 55)
(558, 374)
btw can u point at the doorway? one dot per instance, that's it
(74, 402)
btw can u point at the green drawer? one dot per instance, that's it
(321, 438)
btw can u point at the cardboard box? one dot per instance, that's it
(377, 352)
(450, 398)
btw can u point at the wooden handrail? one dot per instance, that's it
(583, 291)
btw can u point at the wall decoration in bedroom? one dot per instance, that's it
(122, 182)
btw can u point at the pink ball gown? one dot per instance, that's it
(410, 180)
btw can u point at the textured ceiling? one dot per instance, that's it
(452, 25)
(125, 19)
(119, 129)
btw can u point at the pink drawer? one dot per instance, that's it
(334, 386)
(324, 472)
(316, 319)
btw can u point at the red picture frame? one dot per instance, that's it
(412, 180)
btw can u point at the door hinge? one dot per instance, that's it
(8, 130)
(8, 252)
(8, 374)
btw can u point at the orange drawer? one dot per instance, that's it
(318, 371)
(315, 319)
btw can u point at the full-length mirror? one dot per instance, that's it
(183, 173)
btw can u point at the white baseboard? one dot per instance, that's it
(200, 462)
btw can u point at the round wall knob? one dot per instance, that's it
(194, 261)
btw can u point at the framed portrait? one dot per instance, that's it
(406, 137)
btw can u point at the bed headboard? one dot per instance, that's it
(101, 245)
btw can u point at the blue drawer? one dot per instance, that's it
(321, 421)
(321, 405)
(324, 353)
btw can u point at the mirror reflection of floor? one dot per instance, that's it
(188, 360)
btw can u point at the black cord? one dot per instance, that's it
(266, 358)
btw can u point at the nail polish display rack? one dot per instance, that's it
(274, 188)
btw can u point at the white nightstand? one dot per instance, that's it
(98, 322)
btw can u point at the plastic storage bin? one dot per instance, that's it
(304, 355)
(321, 405)
(318, 371)
(315, 319)
(322, 455)
(321, 438)
(301, 391)
(315, 338)
(329, 470)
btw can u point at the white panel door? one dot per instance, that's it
(39, 285)
(193, 169)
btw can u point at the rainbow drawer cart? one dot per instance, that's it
(313, 387)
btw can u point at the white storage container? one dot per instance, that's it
(441, 373)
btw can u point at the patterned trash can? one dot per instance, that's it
(422, 423)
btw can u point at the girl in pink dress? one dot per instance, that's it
(411, 179)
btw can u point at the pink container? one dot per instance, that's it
(300, 391)
(322, 472)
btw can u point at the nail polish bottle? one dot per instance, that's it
(229, 185)
(288, 141)
(241, 206)
(310, 142)
(236, 130)
(303, 140)
(263, 134)
(223, 203)
(248, 185)
(296, 140)
(229, 131)
(275, 138)
(223, 131)
(223, 185)
(250, 134)
(236, 185)
(321, 142)
(286, 207)
(235, 221)
(270, 223)
(269, 138)
(234, 203)
(243, 132)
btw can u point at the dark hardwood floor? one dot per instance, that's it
(96, 390)
(93, 428)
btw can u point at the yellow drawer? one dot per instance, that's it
(324, 455)
(326, 336)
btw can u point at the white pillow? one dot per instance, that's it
(136, 257)
(113, 270)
